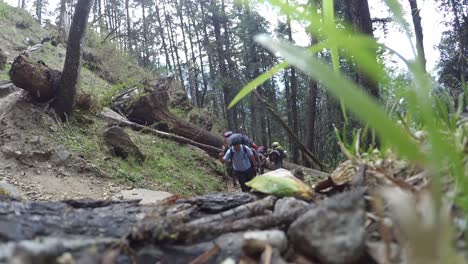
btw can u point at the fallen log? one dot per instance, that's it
(211, 150)
(35, 77)
(152, 109)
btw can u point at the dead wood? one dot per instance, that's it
(35, 77)
(211, 150)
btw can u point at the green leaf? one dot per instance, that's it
(352, 95)
(267, 75)
(257, 82)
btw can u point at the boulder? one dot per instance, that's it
(60, 155)
(121, 144)
(111, 115)
(334, 231)
(146, 196)
(285, 205)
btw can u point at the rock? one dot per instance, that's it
(334, 231)
(7, 88)
(60, 156)
(110, 114)
(10, 190)
(3, 60)
(9, 152)
(275, 238)
(121, 144)
(146, 196)
(286, 205)
(35, 140)
(35, 47)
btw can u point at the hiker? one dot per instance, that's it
(227, 164)
(276, 155)
(261, 162)
(254, 149)
(243, 161)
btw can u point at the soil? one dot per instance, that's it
(25, 152)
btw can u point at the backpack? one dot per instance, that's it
(244, 148)
(237, 138)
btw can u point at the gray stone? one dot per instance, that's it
(146, 196)
(60, 155)
(6, 88)
(10, 152)
(276, 238)
(121, 144)
(10, 190)
(111, 115)
(334, 231)
(35, 47)
(286, 205)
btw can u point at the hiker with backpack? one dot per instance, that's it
(228, 164)
(276, 155)
(243, 160)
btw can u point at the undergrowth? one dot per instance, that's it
(169, 166)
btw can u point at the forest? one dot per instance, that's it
(209, 47)
(376, 139)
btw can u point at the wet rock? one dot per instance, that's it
(121, 144)
(60, 156)
(146, 196)
(286, 205)
(334, 231)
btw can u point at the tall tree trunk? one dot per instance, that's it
(173, 40)
(418, 31)
(162, 37)
(216, 19)
(39, 11)
(64, 99)
(361, 20)
(194, 66)
(129, 28)
(191, 85)
(293, 100)
(145, 34)
(62, 26)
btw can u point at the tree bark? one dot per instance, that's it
(293, 98)
(36, 78)
(65, 96)
(220, 52)
(362, 22)
(161, 35)
(418, 32)
(62, 24)
(211, 150)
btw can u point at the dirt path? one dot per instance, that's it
(26, 157)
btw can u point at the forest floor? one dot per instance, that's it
(30, 138)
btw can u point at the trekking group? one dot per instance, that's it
(243, 159)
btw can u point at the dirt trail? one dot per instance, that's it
(27, 158)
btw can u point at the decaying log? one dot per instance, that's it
(243, 211)
(152, 109)
(210, 149)
(35, 77)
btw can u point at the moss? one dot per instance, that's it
(169, 166)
